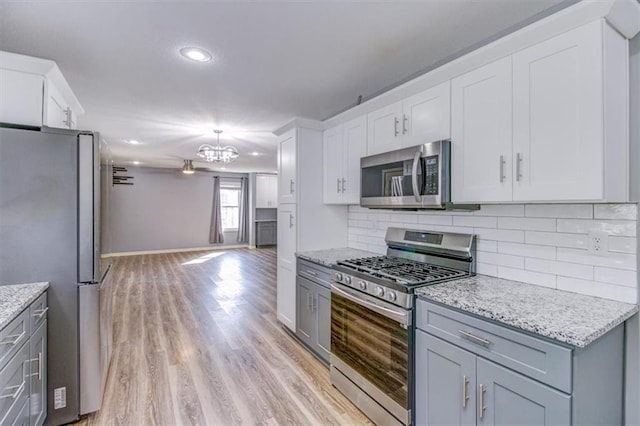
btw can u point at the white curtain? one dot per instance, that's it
(216, 235)
(243, 210)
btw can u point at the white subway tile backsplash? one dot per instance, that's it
(557, 239)
(616, 276)
(528, 250)
(542, 244)
(527, 224)
(573, 270)
(612, 260)
(545, 280)
(514, 210)
(573, 211)
(475, 221)
(598, 289)
(615, 211)
(624, 228)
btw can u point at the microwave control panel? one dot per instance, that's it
(431, 181)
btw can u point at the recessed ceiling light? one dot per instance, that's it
(255, 153)
(195, 54)
(136, 162)
(223, 168)
(134, 142)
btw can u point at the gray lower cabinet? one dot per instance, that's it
(23, 371)
(470, 371)
(313, 308)
(266, 233)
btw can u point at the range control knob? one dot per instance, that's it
(363, 285)
(379, 291)
(347, 279)
(391, 296)
(338, 276)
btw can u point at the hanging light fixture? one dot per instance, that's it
(217, 154)
(188, 168)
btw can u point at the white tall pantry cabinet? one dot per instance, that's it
(304, 221)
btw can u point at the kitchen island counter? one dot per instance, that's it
(16, 298)
(571, 318)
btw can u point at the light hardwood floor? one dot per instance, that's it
(196, 341)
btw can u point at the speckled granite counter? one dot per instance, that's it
(331, 256)
(14, 298)
(567, 317)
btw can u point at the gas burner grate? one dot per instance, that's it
(400, 270)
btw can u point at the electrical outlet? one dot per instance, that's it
(598, 243)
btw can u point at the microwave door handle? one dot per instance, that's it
(414, 176)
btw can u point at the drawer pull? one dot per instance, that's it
(16, 339)
(474, 339)
(16, 393)
(40, 312)
(39, 360)
(481, 407)
(310, 272)
(465, 397)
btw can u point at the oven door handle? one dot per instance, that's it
(400, 316)
(414, 176)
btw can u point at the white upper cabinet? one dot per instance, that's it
(558, 118)
(266, 191)
(421, 118)
(481, 134)
(343, 146)
(287, 167)
(426, 116)
(34, 92)
(569, 109)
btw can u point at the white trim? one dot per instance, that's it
(180, 250)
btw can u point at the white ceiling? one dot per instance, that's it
(272, 60)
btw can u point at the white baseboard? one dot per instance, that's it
(180, 250)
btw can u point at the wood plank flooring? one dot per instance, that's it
(196, 342)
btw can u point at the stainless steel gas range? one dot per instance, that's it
(372, 317)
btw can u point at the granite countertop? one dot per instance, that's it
(329, 257)
(570, 318)
(15, 298)
(265, 220)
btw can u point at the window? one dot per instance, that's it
(230, 210)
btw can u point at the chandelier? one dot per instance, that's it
(217, 154)
(188, 168)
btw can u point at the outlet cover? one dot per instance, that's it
(599, 243)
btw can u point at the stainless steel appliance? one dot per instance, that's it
(50, 231)
(372, 317)
(415, 177)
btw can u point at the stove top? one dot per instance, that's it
(401, 271)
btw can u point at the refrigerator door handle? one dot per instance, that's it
(88, 269)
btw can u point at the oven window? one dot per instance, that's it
(373, 345)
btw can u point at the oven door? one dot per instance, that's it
(370, 345)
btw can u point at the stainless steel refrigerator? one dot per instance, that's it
(50, 231)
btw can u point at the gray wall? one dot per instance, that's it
(163, 210)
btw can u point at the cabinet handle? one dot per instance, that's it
(16, 393)
(481, 407)
(310, 272)
(344, 185)
(309, 302)
(39, 360)
(518, 167)
(67, 117)
(502, 177)
(404, 123)
(16, 339)
(465, 397)
(396, 132)
(313, 303)
(40, 312)
(290, 220)
(338, 185)
(474, 339)
(290, 186)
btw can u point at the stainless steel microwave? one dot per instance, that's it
(413, 178)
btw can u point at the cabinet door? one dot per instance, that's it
(481, 134)
(262, 191)
(384, 129)
(426, 116)
(445, 383)
(354, 140)
(322, 311)
(38, 376)
(287, 163)
(558, 117)
(333, 160)
(272, 191)
(286, 279)
(509, 398)
(306, 322)
(21, 98)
